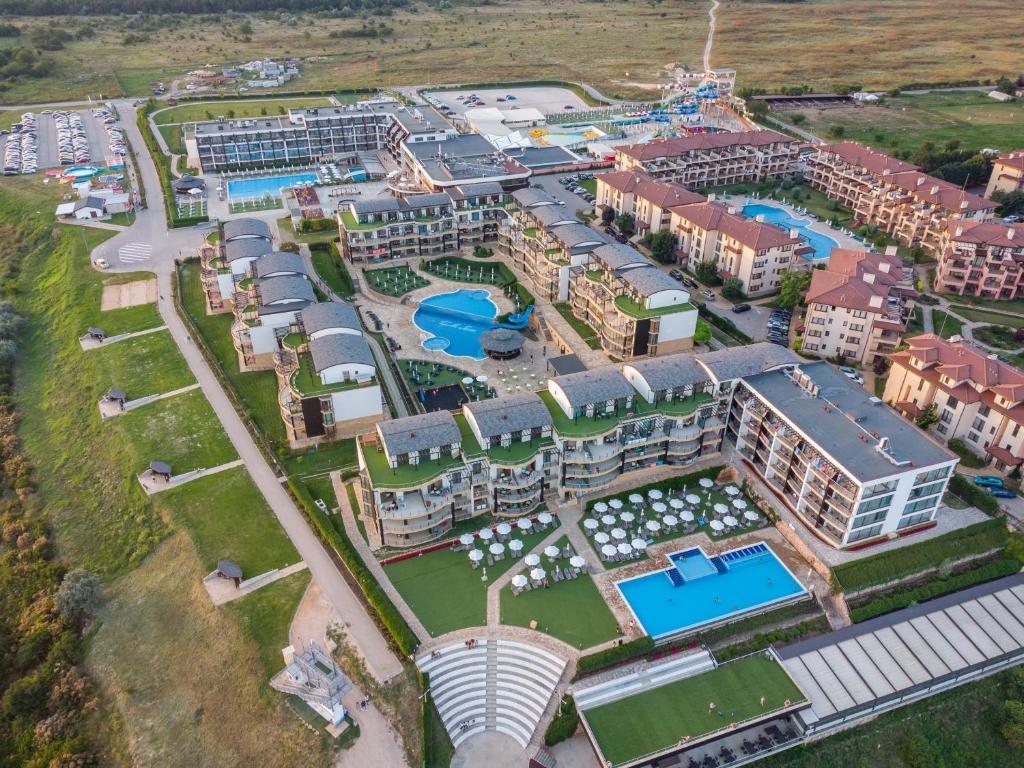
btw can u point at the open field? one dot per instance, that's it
(145, 365)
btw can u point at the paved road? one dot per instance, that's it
(150, 227)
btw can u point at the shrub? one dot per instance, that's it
(617, 654)
(564, 724)
(974, 495)
(78, 596)
(316, 225)
(967, 457)
(761, 640)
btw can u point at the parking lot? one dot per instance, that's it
(552, 185)
(47, 150)
(549, 100)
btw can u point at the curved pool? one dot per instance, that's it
(455, 321)
(822, 244)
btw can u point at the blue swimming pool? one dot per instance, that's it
(822, 244)
(455, 321)
(261, 186)
(700, 590)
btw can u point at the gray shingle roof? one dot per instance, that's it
(663, 373)
(530, 196)
(329, 314)
(501, 340)
(465, 145)
(552, 215)
(380, 204)
(594, 386)
(734, 362)
(285, 288)
(648, 281)
(616, 255)
(578, 235)
(280, 261)
(509, 414)
(339, 349)
(434, 199)
(418, 433)
(245, 228)
(476, 190)
(248, 248)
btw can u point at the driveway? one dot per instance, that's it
(753, 323)
(573, 202)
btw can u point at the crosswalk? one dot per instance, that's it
(135, 252)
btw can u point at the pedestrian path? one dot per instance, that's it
(109, 408)
(151, 485)
(88, 342)
(223, 591)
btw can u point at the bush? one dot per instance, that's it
(316, 225)
(719, 635)
(967, 457)
(707, 273)
(974, 495)
(723, 323)
(788, 634)
(564, 724)
(617, 654)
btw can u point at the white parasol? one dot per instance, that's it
(706, 482)
(717, 525)
(601, 537)
(552, 551)
(670, 520)
(532, 559)
(537, 574)
(692, 498)
(544, 518)
(750, 515)
(618, 534)
(577, 562)
(730, 520)
(591, 524)
(600, 507)
(615, 504)
(608, 550)
(624, 548)
(627, 517)
(466, 539)
(504, 529)
(486, 534)
(659, 507)
(523, 524)
(497, 548)
(519, 581)
(654, 493)
(675, 503)
(516, 545)
(476, 555)
(721, 509)
(686, 516)
(653, 526)
(639, 544)
(739, 503)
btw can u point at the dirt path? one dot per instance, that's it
(711, 34)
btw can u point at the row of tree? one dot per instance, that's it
(108, 7)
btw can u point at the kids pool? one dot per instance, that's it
(822, 244)
(261, 186)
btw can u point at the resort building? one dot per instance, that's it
(857, 307)
(712, 159)
(1007, 174)
(646, 200)
(982, 258)
(848, 467)
(466, 158)
(892, 194)
(979, 398)
(754, 251)
(383, 228)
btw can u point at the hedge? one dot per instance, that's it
(996, 569)
(788, 634)
(564, 724)
(974, 495)
(916, 558)
(719, 634)
(275, 95)
(317, 225)
(617, 654)
(723, 323)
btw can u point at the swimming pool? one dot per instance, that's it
(261, 186)
(455, 321)
(822, 244)
(700, 590)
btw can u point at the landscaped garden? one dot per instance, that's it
(998, 336)
(1011, 318)
(394, 281)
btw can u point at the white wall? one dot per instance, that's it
(678, 325)
(278, 319)
(356, 371)
(357, 403)
(241, 266)
(560, 398)
(667, 299)
(263, 339)
(639, 382)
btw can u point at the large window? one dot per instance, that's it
(935, 474)
(871, 505)
(864, 533)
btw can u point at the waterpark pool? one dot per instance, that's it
(822, 244)
(455, 321)
(261, 186)
(698, 590)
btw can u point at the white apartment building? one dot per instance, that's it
(646, 199)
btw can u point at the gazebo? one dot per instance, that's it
(229, 569)
(160, 469)
(116, 396)
(501, 343)
(97, 333)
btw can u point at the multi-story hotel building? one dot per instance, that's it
(979, 398)
(754, 251)
(712, 159)
(858, 306)
(982, 258)
(848, 467)
(893, 195)
(646, 200)
(1007, 174)
(383, 228)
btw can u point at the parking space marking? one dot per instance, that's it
(134, 252)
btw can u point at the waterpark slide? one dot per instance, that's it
(517, 321)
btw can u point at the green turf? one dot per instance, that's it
(1015, 320)
(444, 590)
(172, 138)
(193, 112)
(144, 365)
(125, 320)
(588, 334)
(573, 610)
(394, 281)
(998, 336)
(657, 719)
(945, 324)
(331, 269)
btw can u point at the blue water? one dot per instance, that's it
(822, 244)
(456, 320)
(702, 590)
(267, 185)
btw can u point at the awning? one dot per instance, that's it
(1003, 456)
(911, 409)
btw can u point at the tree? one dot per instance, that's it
(794, 285)
(662, 245)
(707, 273)
(1010, 203)
(625, 224)
(78, 595)
(732, 289)
(929, 417)
(607, 215)
(838, 131)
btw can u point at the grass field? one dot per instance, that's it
(332, 270)
(658, 718)
(996, 318)
(588, 334)
(284, 224)
(145, 365)
(190, 113)
(945, 324)
(998, 336)
(173, 138)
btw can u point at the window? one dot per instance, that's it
(973, 436)
(984, 410)
(920, 517)
(941, 429)
(946, 416)
(864, 533)
(927, 490)
(921, 504)
(952, 402)
(868, 519)
(1016, 430)
(872, 504)
(935, 474)
(978, 423)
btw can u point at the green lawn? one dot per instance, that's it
(226, 516)
(658, 718)
(197, 112)
(145, 365)
(1015, 306)
(125, 320)
(394, 281)
(284, 224)
(915, 324)
(1015, 320)
(573, 610)
(998, 336)
(182, 431)
(945, 324)
(329, 265)
(445, 591)
(172, 138)
(124, 218)
(588, 334)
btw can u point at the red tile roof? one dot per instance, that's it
(988, 233)
(938, 192)
(757, 235)
(662, 194)
(845, 282)
(1013, 160)
(1004, 455)
(961, 360)
(702, 141)
(872, 160)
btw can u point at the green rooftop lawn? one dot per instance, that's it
(572, 611)
(307, 381)
(351, 224)
(145, 365)
(445, 591)
(680, 407)
(404, 475)
(633, 309)
(582, 426)
(657, 719)
(517, 453)
(254, 108)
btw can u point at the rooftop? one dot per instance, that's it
(963, 361)
(511, 413)
(329, 315)
(411, 434)
(339, 349)
(702, 141)
(663, 373)
(714, 216)
(404, 475)
(594, 386)
(246, 248)
(246, 228)
(285, 288)
(735, 362)
(307, 383)
(871, 160)
(280, 261)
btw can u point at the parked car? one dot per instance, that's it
(851, 374)
(740, 308)
(1002, 493)
(709, 295)
(988, 481)
(102, 264)
(675, 274)
(688, 282)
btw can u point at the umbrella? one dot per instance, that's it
(552, 551)
(486, 533)
(504, 529)
(476, 555)
(654, 493)
(537, 574)
(636, 498)
(717, 525)
(532, 560)
(624, 548)
(467, 380)
(544, 518)
(639, 544)
(750, 515)
(721, 509)
(627, 517)
(608, 550)
(739, 503)
(600, 507)
(692, 498)
(706, 482)
(618, 534)
(686, 515)
(670, 520)
(497, 548)
(608, 520)
(732, 490)
(519, 581)
(523, 524)
(481, 378)
(466, 539)
(675, 503)
(577, 562)
(615, 503)
(590, 524)
(516, 545)
(653, 526)
(601, 537)
(659, 507)
(730, 520)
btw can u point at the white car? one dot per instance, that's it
(851, 374)
(102, 264)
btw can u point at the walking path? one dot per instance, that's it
(150, 486)
(88, 342)
(223, 590)
(109, 409)
(711, 34)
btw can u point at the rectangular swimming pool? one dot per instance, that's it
(261, 186)
(699, 590)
